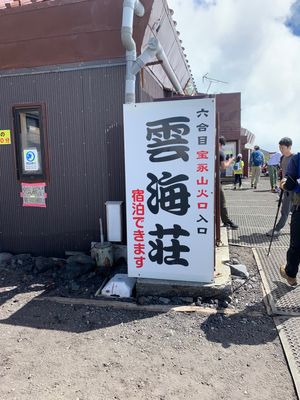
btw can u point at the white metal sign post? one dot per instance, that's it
(170, 172)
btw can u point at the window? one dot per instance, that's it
(30, 143)
(230, 150)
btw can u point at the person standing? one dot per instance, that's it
(291, 182)
(273, 165)
(285, 146)
(223, 165)
(238, 170)
(256, 162)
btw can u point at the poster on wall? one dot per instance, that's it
(33, 194)
(170, 169)
(31, 159)
(229, 151)
(5, 137)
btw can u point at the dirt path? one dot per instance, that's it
(51, 351)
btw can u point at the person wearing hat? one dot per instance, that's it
(285, 146)
(256, 162)
(238, 170)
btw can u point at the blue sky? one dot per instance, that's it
(293, 22)
(254, 46)
(205, 3)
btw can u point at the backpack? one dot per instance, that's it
(297, 188)
(236, 165)
(257, 158)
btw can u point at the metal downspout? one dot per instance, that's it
(130, 7)
(155, 50)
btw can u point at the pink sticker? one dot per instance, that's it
(33, 194)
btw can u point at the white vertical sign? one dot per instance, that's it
(170, 170)
(31, 159)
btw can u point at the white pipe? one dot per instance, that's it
(130, 7)
(149, 54)
(155, 50)
(161, 55)
(101, 231)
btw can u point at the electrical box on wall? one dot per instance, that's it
(114, 220)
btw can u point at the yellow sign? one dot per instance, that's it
(5, 137)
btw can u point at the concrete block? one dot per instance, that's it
(220, 289)
(239, 270)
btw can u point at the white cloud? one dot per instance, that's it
(247, 44)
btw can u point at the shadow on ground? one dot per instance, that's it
(238, 189)
(12, 284)
(282, 289)
(246, 327)
(261, 190)
(74, 318)
(40, 313)
(239, 329)
(256, 238)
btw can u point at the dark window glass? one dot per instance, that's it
(29, 138)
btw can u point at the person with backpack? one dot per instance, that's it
(273, 166)
(238, 170)
(285, 146)
(256, 162)
(291, 182)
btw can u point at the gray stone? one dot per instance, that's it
(164, 300)
(120, 252)
(5, 259)
(142, 300)
(74, 270)
(20, 259)
(198, 302)
(59, 267)
(59, 263)
(223, 304)
(239, 280)
(43, 264)
(229, 299)
(186, 300)
(172, 289)
(239, 270)
(69, 253)
(74, 286)
(23, 261)
(80, 259)
(210, 301)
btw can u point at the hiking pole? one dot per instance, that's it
(278, 208)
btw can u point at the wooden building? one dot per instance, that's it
(62, 77)
(238, 139)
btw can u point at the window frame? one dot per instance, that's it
(31, 178)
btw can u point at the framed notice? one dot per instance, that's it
(33, 194)
(170, 169)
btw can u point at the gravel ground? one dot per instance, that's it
(247, 293)
(54, 351)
